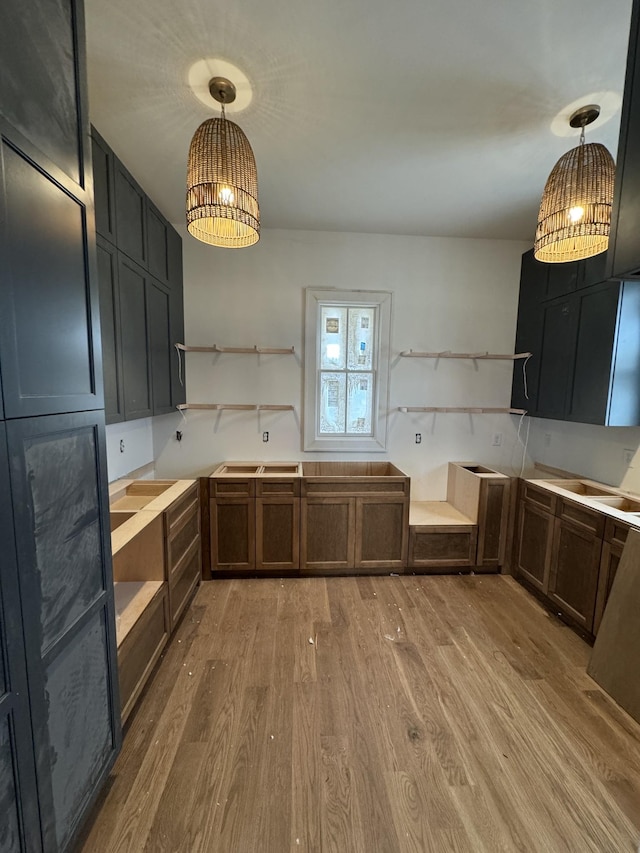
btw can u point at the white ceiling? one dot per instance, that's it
(410, 117)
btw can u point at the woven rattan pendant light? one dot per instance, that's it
(222, 181)
(575, 211)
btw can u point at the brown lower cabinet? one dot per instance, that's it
(568, 552)
(328, 533)
(182, 550)
(277, 533)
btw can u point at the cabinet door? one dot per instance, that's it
(382, 533)
(573, 579)
(103, 187)
(278, 533)
(592, 374)
(624, 247)
(60, 504)
(327, 534)
(48, 302)
(136, 367)
(594, 270)
(562, 279)
(110, 331)
(178, 367)
(157, 235)
(158, 303)
(609, 562)
(130, 215)
(19, 827)
(493, 522)
(533, 288)
(535, 539)
(233, 534)
(556, 363)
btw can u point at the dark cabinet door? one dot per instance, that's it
(157, 236)
(158, 320)
(594, 270)
(110, 331)
(562, 279)
(592, 374)
(557, 354)
(19, 827)
(535, 539)
(49, 324)
(533, 288)
(178, 364)
(575, 564)
(135, 350)
(60, 504)
(103, 187)
(130, 216)
(624, 246)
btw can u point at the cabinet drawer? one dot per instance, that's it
(141, 649)
(276, 487)
(183, 582)
(442, 547)
(616, 531)
(240, 488)
(587, 519)
(316, 487)
(540, 497)
(179, 509)
(183, 540)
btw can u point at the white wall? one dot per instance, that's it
(137, 438)
(449, 294)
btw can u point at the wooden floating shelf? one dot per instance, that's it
(236, 407)
(255, 350)
(409, 353)
(475, 410)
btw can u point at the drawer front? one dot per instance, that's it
(443, 547)
(183, 538)
(236, 488)
(141, 649)
(540, 497)
(276, 487)
(616, 531)
(588, 519)
(184, 582)
(181, 507)
(356, 486)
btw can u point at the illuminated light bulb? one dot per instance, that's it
(576, 214)
(226, 196)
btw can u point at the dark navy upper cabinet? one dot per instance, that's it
(130, 216)
(110, 331)
(157, 235)
(49, 346)
(103, 187)
(40, 43)
(624, 243)
(158, 321)
(562, 279)
(556, 357)
(135, 339)
(178, 366)
(533, 289)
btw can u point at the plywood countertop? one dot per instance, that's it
(130, 495)
(591, 501)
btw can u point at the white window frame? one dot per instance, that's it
(314, 301)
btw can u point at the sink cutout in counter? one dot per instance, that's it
(577, 487)
(621, 503)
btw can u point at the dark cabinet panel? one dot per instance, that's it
(533, 288)
(135, 350)
(58, 481)
(575, 564)
(178, 366)
(48, 316)
(562, 279)
(19, 827)
(130, 216)
(39, 45)
(158, 322)
(157, 234)
(556, 360)
(594, 270)
(103, 187)
(110, 331)
(624, 244)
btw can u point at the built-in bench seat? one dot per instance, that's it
(469, 529)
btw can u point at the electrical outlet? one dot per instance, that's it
(265, 436)
(627, 455)
(496, 441)
(418, 438)
(122, 445)
(547, 439)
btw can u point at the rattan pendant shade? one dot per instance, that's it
(222, 186)
(575, 211)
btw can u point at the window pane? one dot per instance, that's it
(333, 338)
(359, 403)
(332, 402)
(361, 337)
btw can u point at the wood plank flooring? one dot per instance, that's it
(372, 715)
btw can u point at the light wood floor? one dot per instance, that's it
(429, 714)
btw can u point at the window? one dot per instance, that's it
(346, 370)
